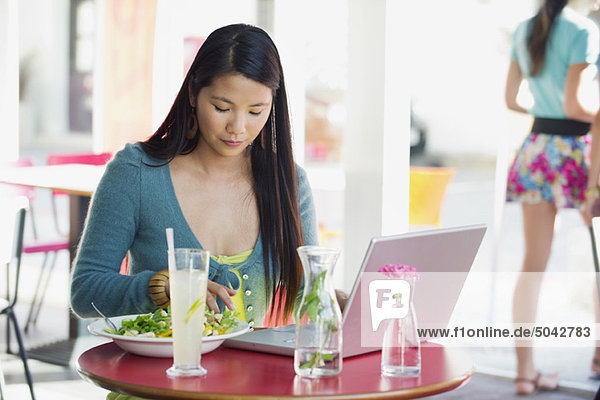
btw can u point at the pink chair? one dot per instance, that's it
(52, 247)
(25, 191)
(73, 158)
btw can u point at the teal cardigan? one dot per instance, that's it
(133, 205)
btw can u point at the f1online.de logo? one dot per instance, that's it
(388, 299)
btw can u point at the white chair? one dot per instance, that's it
(14, 210)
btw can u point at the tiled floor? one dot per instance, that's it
(469, 199)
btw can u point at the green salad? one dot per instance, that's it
(158, 324)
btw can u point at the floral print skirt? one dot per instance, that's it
(552, 168)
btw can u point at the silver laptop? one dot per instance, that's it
(443, 258)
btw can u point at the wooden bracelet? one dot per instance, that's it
(157, 288)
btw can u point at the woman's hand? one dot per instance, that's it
(592, 204)
(592, 209)
(586, 213)
(342, 298)
(214, 289)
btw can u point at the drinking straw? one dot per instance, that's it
(170, 247)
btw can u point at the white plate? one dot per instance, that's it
(158, 347)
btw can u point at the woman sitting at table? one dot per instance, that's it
(220, 172)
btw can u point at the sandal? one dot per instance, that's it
(525, 386)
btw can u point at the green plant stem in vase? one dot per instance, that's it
(312, 307)
(318, 320)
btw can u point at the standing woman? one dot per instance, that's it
(551, 51)
(220, 172)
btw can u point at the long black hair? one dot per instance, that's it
(249, 51)
(540, 31)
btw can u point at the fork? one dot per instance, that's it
(108, 321)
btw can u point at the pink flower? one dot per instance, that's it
(513, 175)
(399, 271)
(574, 174)
(513, 181)
(540, 164)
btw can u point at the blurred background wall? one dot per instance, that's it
(457, 58)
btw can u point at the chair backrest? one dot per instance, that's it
(19, 190)
(427, 191)
(19, 230)
(76, 158)
(23, 162)
(13, 210)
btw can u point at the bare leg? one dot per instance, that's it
(538, 227)
(596, 360)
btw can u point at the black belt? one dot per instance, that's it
(563, 127)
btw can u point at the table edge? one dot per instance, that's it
(159, 393)
(11, 180)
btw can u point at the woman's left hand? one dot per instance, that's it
(592, 205)
(214, 289)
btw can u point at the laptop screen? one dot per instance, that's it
(443, 258)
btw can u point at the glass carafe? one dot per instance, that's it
(401, 349)
(318, 318)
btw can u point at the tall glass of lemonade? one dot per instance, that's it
(188, 274)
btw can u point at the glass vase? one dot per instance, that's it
(401, 349)
(318, 317)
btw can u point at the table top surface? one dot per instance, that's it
(251, 375)
(78, 179)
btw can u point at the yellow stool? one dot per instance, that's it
(427, 190)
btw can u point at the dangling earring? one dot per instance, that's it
(192, 125)
(263, 134)
(273, 131)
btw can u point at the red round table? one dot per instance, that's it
(239, 374)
